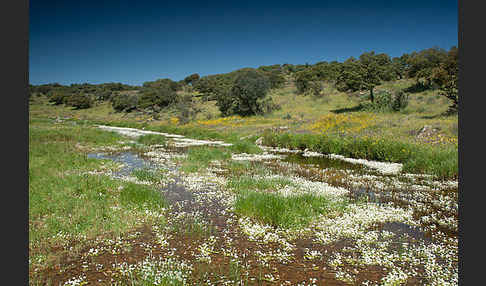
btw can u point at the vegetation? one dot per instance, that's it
(84, 220)
(247, 96)
(445, 75)
(199, 158)
(248, 101)
(152, 139)
(417, 158)
(285, 212)
(80, 101)
(63, 198)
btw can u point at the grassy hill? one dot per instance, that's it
(331, 112)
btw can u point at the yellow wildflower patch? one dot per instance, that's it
(174, 120)
(231, 121)
(342, 123)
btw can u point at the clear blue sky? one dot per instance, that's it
(136, 41)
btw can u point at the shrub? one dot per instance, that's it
(58, 97)
(80, 101)
(103, 94)
(385, 101)
(187, 109)
(161, 96)
(124, 102)
(400, 100)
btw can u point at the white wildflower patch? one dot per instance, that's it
(255, 157)
(355, 222)
(206, 249)
(302, 186)
(395, 277)
(383, 167)
(76, 281)
(153, 271)
(205, 195)
(312, 254)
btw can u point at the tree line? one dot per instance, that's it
(244, 91)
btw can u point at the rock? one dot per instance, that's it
(259, 141)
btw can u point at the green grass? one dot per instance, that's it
(63, 199)
(199, 158)
(193, 228)
(285, 212)
(256, 198)
(245, 146)
(141, 197)
(147, 175)
(152, 139)
(395, 129)
(441, 161)
(247, 183)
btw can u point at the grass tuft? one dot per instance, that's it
(285, 212)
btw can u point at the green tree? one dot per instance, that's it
(422, 64)
(372, 71)
(247, 96)
(445, 76)
(191, 79)
(349, 76)
(400, 65)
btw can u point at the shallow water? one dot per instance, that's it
(175, 191)
(400, 228)
(322, 162)
(130, 161)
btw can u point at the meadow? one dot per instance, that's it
(319, 192)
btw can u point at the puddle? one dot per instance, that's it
(322, 162)
(130, 161)
(400, 228)
(175, 192)
(369, 195)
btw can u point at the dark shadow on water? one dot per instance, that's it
(348, 109)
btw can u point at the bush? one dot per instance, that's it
(124, 102)
(400, 100)
(187, 109)
(103, 95)
(385, 102)
(161, 96)
(58, 97)
(80, 101)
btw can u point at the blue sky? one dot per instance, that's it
(137, 41)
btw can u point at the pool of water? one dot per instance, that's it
(322, 162)
(130, 161)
